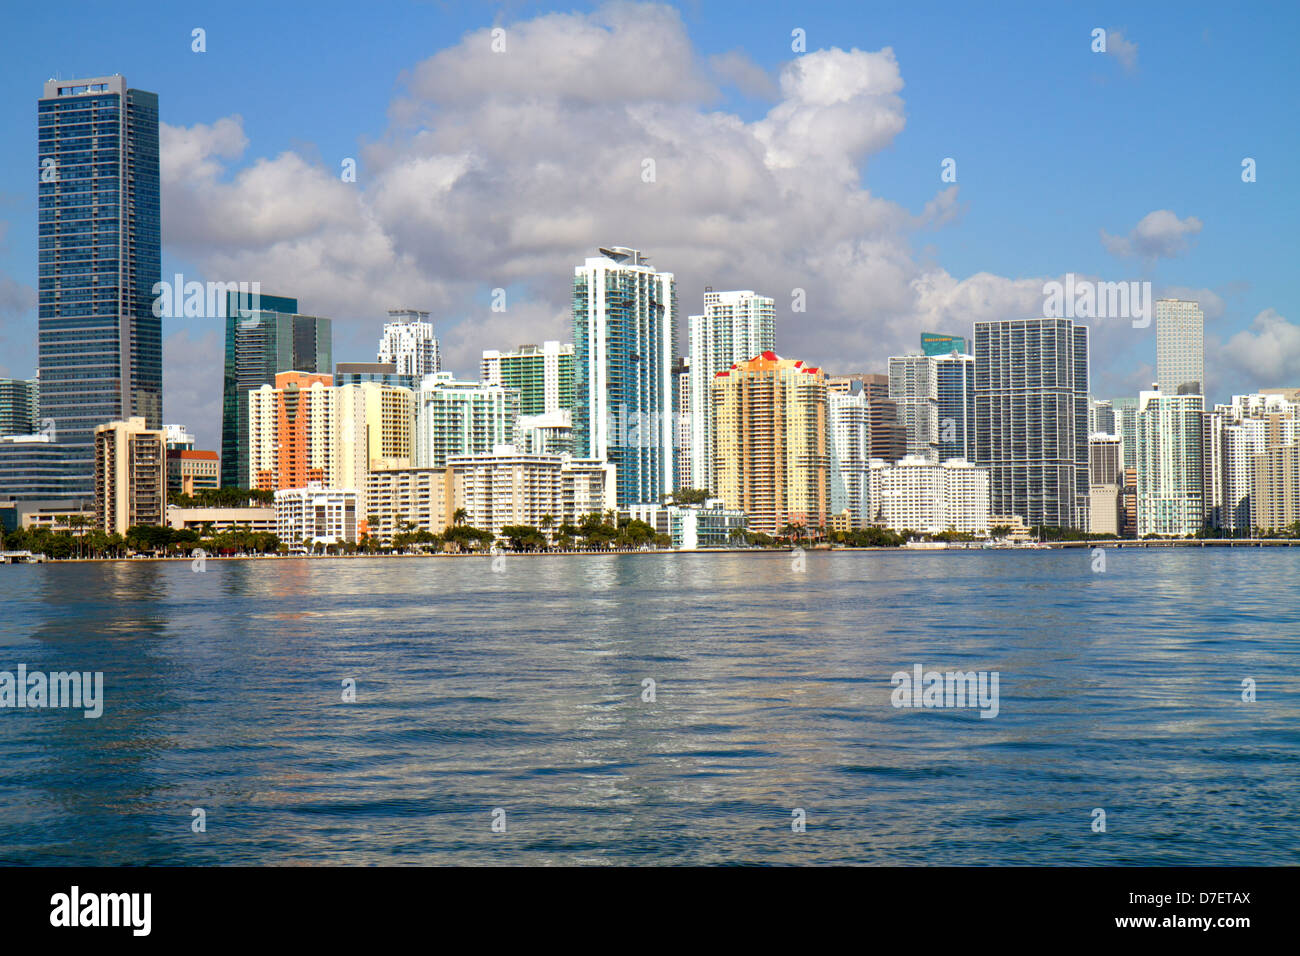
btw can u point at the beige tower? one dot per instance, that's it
(770, 453)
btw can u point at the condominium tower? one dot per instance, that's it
(624, 317)
(1180, 347)
(1031, 418)
(735, 326)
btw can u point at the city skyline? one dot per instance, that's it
(990, 269)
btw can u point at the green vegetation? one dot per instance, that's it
(224, 498)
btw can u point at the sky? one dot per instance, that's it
(775, 168)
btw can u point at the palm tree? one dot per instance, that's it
(459, 516)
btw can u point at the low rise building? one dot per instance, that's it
(316, 515)
(691, 527)
(923, 496)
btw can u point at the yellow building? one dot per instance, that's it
(130, 475)
(770, 453)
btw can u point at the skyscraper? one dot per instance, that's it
(1125, 410)
(1180, 347)
(461, 418)
(735, 326)
(100, 344)
(770, 447)
(543, 376)
(265, 336)
(409, 343)
(849, 450)
(1031, 418)
(624, 317)
(1170, 473)
(19, 407)
(954, 376)
(914, 388)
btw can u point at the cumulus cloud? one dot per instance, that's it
(1159, 235)
(735, 68)
(507, 169)
(1267, 354)
(1122, 49)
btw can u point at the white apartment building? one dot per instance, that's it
(919, 495)
(506, 487)
(316, 514)
(735, 326)
(1170, 468)
(454, 419)
(408, 342)
(850, 458)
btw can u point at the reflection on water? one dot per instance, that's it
(523, 690)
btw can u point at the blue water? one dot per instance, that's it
(522, 690)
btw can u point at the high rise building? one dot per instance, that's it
(1031, 418)
(850, 457)
(1239, 432)
(542, 376)
(1180, 347)
(682, 423)
(304, 429)
(100, 343)
(1125, 412)
(409, 343)
(1170, 475)
(735, 326)
(130, 475)
(19, 407)
(770, 442)
(624, 322)
(1276, 488)
(421, 499)
(955, 382)
(1101, 417)
(914, 388)
(461, 418)
(265, 335)
(915, 494)
(937, 343)
(1105, 484)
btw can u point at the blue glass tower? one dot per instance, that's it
(99, 344)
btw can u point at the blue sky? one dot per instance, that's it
(1054, 144)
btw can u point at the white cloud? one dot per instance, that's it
(1159, 235)
(1265, 355)
(735, 68)
(1122, 49)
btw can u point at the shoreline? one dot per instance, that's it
(928, 548)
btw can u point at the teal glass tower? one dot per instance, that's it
(265, 335)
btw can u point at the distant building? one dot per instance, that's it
(19, 406)
(409, 344)
(178, 438)
(461, 418)
(1031, 418)
(1180, 347)
(1276, 489)
(316, 515)
(400, 497)
(916, 494)
(190, 471)
(1125, 411)
(378, 373)
(691, 527)
(624, 325)
(265, 336)
(216, 520)
(771, 459)
(130, 476)
(506, 487)
(850, 456)
(914, 388)
(935, 343)
(542, 376)
(735, 326)
(548, 434)
(1170, 478)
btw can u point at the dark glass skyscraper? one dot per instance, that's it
(265, 335)
(99, 345)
